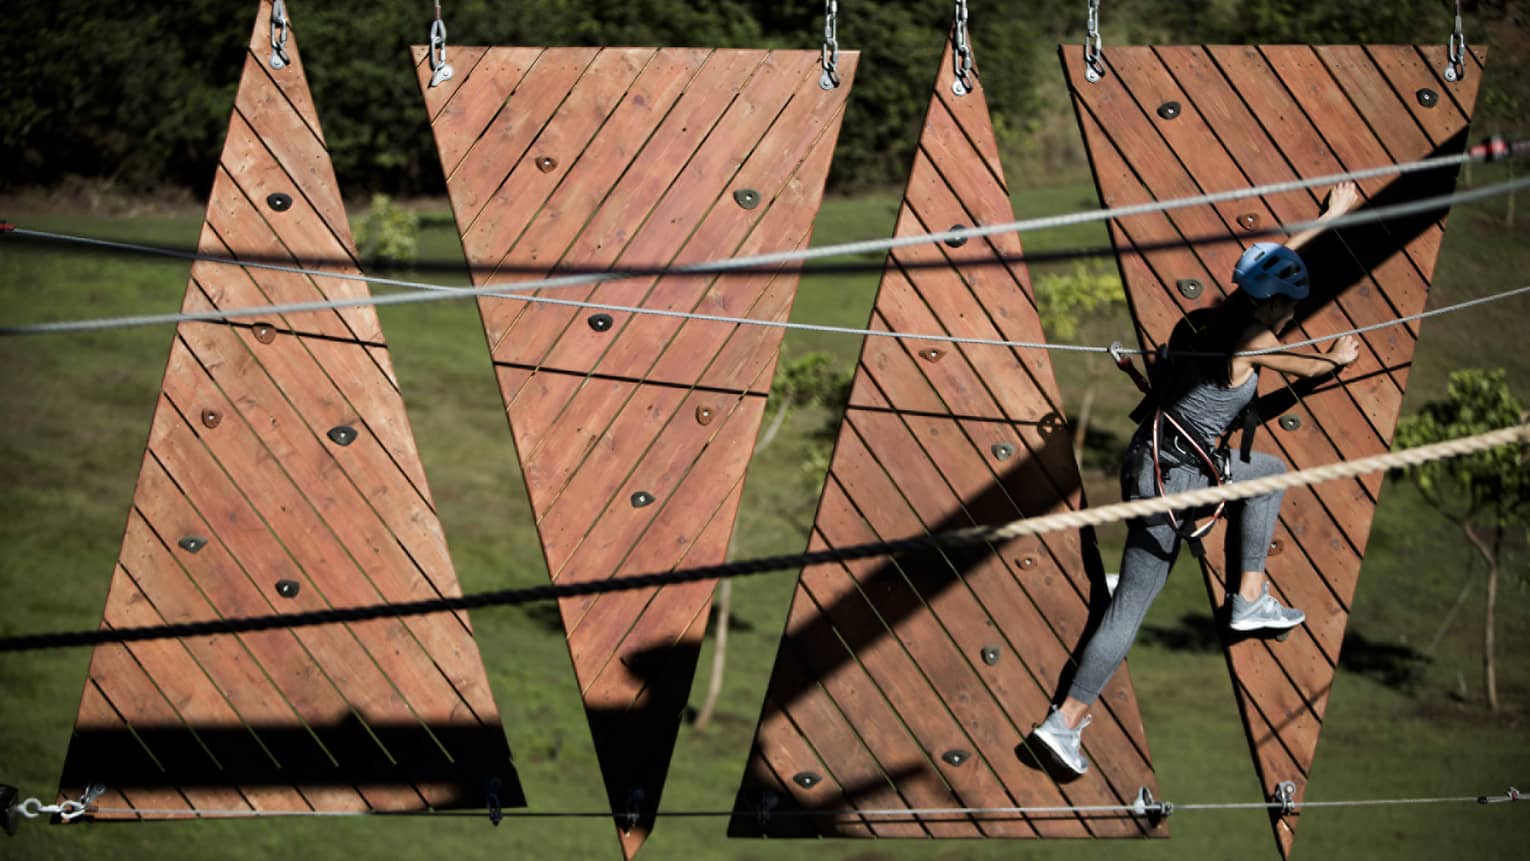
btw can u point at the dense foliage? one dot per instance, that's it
(140, 92)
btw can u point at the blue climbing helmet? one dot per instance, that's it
(1267, 270)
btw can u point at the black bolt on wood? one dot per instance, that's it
(1290, 422)
(1190, 288)
(192, 543)
(288, 588)
(265, 333)
(704, 415)
(1277, 547)
(748, 198)
(279, 202)
(990, 655)
(1427, 97)
(957, 241)
(1249, 220)
(642, 499)
(342, 435)
(1028, 562)
(956, 757)
(807, 779)
(211, 419)
(547, 164)
(930, 354)
(1003, 450)
(599, 322)
(1169, 110)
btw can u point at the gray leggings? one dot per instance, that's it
(1152, 545)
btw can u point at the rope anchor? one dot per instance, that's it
(1285, 796)
(1146, 805)
(440, 70)
(67, 811)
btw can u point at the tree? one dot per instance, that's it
(1483, 494)
(1064, 301)
(810, 379)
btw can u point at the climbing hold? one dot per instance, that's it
(1168, 110)
(956, 757)
(1290, 422)
(1003, 450)
(1028, 562)
(343, 435)
(1277, 547)
(930, 354)
(546, 163)
(1427, 97)
(807, 779)
(264, 332)
(599, 322)
(1249, 220)
(642, 499)
(211, 418)
(279, 201)
(192, 543)
(288, 588)
(704, 415)
(1190, 288)
(990, 655)
(748, 198)
(957, 241)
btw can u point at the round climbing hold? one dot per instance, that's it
(1290, 422)
(1028, 562)
(211, 418)
(288, 588)
(957, 241)
(1427, 97)
(1190, 288)
(1277, 547)
(599, 322)
(1249, 220)
(930, 354)
(265, 333)
(642, 499)
(192, 543)
(807, 779)
(1003, 450)
(1169, 110)
(704, 415)
(956, 757)
(547, 164)
(748, 198)
(990, 655)
(279, 201)
(343, 435)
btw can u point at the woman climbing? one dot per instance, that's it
(1196, 403)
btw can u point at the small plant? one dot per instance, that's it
(388, 233)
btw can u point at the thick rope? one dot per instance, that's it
(976, 535)
(435, 292)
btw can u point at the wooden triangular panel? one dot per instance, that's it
(1251, 115)
(246, 505)
(887, 667)
(634, 432)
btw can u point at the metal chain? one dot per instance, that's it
(66, 810)
(1094, 68)
(440, 70)
(962, 57)
(1455, 65)
(830, 55)
(281, 27)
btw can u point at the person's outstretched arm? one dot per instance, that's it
(1341, 351)
(1342, 200)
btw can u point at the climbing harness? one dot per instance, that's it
(440, 70)
(830, 53)
(961, 56)
(1094, 66)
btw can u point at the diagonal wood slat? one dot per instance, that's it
(882, 674)
(634, 432)
(1259, 114)
(244, 487)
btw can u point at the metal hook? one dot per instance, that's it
(441, 71)
(280, 29)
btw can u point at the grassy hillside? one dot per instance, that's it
(74, 416)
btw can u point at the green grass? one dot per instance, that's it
(74, 417)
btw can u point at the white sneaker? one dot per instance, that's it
(1263, 613)
(1064, 742)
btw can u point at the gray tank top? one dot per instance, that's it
(1209, 408)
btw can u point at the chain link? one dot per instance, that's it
(1455, 65)
(440, 70)
(66, 810)
(281, 28)
(830, 54)
(1094, 67)
(962, 57)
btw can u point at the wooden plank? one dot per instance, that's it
(635, 164)
(1253, 115)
